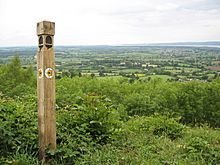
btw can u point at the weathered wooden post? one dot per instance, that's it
(46, 87)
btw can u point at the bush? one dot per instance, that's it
(157, 125)
(139, 104)
(82, 126)
(18, 127)
(200, 148)
(16, 81)
(21, 159)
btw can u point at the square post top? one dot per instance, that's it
(45, 28)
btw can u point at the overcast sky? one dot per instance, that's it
(95, 22)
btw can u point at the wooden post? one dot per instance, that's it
(46, 87)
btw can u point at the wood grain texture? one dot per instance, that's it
(46, 100)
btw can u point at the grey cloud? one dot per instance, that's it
(204, 5)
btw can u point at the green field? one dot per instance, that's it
(115, 106)
(162, 77)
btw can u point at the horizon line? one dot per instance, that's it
(131, 44)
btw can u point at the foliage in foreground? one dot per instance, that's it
(95, 132)
(112, 121)
(196, 103)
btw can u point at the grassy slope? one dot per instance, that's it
(199, 146)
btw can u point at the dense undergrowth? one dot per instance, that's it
(113, 121)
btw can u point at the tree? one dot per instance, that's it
(14, 80)
(92, 75)
(101, 73)
(80, 74)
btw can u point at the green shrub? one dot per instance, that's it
(197, 145)
(195, 102)
(18, 126)
(21, 159)
(200, 148)
(99, 117)
(82, 126)
(157, 125)
(16, 81)
(139, 104)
